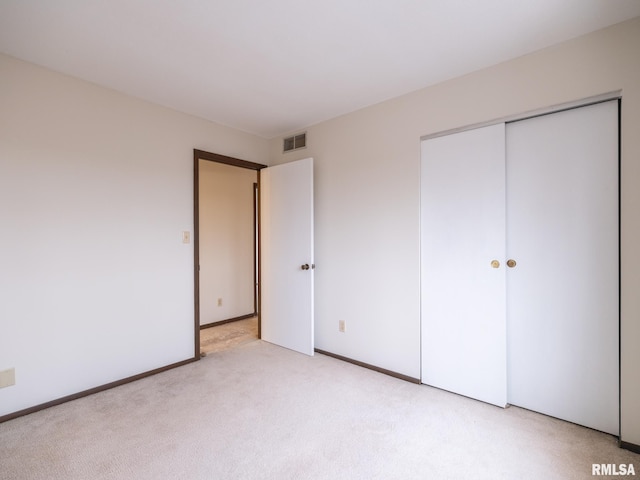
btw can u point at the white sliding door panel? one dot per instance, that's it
(462, 231)
(286, 204)
(562, 231)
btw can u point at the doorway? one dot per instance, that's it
(226, 251)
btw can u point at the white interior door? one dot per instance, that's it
(287, 263)
(562, 231)
(463, 295)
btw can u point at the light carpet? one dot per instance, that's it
(263, 412)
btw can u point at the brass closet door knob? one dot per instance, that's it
(511, 263)
(495, 264)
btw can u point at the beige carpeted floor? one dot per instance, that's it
(228, 335)
(263, 412)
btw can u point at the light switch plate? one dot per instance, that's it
(7, 377)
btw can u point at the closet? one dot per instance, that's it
(520, 264)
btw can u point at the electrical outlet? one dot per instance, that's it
(342, 326)
(7, 377)
(219, 302)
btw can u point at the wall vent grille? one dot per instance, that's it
(295, 142)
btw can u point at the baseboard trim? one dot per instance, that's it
(91, 391)
(369, 366)
(629, 446)
(229, 320)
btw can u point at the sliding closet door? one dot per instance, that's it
(562, 232)
(463, 291)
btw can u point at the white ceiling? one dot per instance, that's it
(274, 66)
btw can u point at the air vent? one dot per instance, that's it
(295, 142)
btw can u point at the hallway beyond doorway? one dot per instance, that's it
(228, 335)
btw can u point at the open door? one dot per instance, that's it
(287, 263)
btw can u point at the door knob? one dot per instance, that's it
(495, 264)
(511, 263)
(305, 266)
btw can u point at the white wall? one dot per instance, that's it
(95, 190)
(226, 241)
(367, 195)
(96, 187)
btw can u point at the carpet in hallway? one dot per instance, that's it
(228, 335)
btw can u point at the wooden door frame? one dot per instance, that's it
(234, 162)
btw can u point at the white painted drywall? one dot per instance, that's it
(95, 188)
(227, 250)
(367, 167)
(95, 191)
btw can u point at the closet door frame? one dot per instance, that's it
(615, 95)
